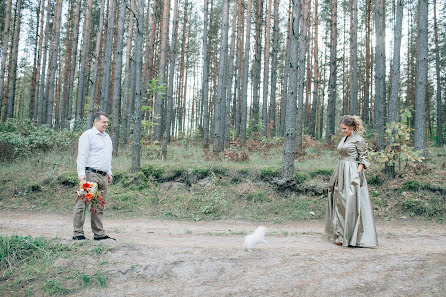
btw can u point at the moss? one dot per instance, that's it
(300, 178)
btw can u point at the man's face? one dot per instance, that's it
(101, 124)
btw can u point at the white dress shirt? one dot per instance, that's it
(94, 151)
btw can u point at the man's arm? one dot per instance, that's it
(82, 156)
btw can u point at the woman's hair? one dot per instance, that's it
(352, 121)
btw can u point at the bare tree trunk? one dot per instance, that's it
(421, 82)
(440, 120)
(6, 29)
(236, 114)
(14, 55)
(169, 104)
(95, 72)
(393, 105)
(127, 81)
(32, 98)
(54, 54)
(290, 122)
(316, 73)
(365, 113)
(272, 106)
(117, 78)
(244, 103)
(331, 109)
(266, 70)
(354, 61)
(205, 80)
(380, 71)
(105, 93)
(136, 157)
(257, 65)
(67, 59)
(220, 104)
(285, 77)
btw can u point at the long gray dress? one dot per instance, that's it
(349, 217)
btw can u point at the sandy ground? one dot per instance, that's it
(170, 258)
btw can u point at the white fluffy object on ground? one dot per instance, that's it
(258, 236)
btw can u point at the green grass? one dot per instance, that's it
(38, 266)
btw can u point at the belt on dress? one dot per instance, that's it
(103, 173)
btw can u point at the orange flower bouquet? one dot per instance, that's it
(92, 197)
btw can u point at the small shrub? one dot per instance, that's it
(152, 172)
(68, 179)
(201, 172)
(300, 178)
(411, 185)
(35, 187)
(268, 174)
(218, 170)
(257, 197)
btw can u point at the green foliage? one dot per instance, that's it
(258, 196)
(397, 138)
(68, 179)
(23, 137)
(321, 172)
(411, 185)
(152, 172)
(54, 287)
(268, 174)
(375, 180)
(215, 204)
(432, 207)
(202, 172)
(34, 187)
(300, 178)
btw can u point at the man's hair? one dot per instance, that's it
(97, 116)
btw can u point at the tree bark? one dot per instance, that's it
(421, 73)
(13, 56)
(257, 65)
(205, 80)
(440, 120)
(136, 157)
(32, 112)
(354, 107)
(290, 117)
(366, 110)
(220, 104)
(331, 109)
(380, 71)
(393, 104)
(244, 102)
(315, 104)
(272, 108)
(266, 70)
(6, 28)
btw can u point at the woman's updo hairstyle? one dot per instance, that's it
(352, 121)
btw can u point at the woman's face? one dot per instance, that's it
(346, 130)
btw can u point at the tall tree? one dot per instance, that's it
(257, 64)
(315, 104)
(205, 80)
(290, 117)
(169, 104)
(393, 102)
(440, 120)
(159, 110)
(37, 52)
(105, 93)
(220, 104)
(331, 109)
(117, 78)
(266, 69)
(354, 57)
(421, 82)
(380, 71)
(136, 157)
(95, 77)
(244, 101)
(275, 49)
(6, 27)
(53, 63)
(368, 66)
(13, 60)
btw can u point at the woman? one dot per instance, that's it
(349, 219)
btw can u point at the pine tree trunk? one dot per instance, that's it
(266, 70)
(32, 99)
(136, 157)
(366, 111)
(393, 104)
(205, 80)
(315, 104)
(290, 117)
(105, 93)
(354, 109)
(220, 104)
(67, 62)
(117, 78)
(272, 108)
(244, 102)
(440, 120)
(169, 104)
(94, 79)
(285, 76)
(54, 54)
(236, 114)
(6, 29)
(159, 110)
(14, 56)
(127, 82)
(380, 71)
(257, 65)
(331, 109)
(421, 73)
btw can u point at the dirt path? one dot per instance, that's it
(168, 258)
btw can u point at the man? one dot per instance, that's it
(93, 165)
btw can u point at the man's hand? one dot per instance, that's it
(82, 179)
(110, 178)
